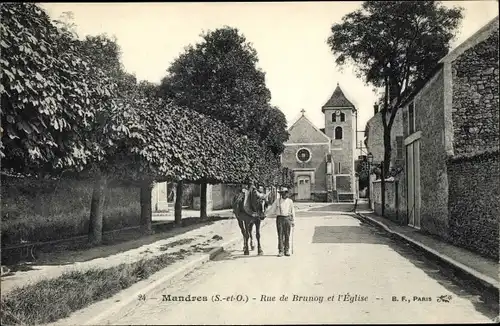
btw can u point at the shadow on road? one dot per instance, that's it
(485, 300)
(346, 234)
(238, 254)
(306, 214)
(70, 253)
(339, 207)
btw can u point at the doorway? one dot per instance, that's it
(304, 187)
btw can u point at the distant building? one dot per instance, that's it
(374, 138)
(160, 200)
(322, 161)
(395, 190)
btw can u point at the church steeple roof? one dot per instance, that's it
(338, 100)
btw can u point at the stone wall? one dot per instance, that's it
(343, 184)
(320, 197)
(402, 200)
(320, 177)
(376, 189)
(222, 195)
(43, 210)
(475, 98)
(375, 137)
(371, 192)
(394, 211)
(196, 196)
(474, 203)
(429, 120)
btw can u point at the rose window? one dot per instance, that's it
(303, 155)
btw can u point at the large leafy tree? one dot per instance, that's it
(49, 98)
(109, 133)
(60, 105)
(67, 104)
(395, 44)
(218, 77)
(272, 129)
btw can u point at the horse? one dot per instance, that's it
(246, 221)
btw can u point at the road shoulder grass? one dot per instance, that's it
(50, 300)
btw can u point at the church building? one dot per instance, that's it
(322, 160)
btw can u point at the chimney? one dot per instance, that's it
(375, 108)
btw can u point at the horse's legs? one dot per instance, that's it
(243, 231)
(257, 236)
(250, 231)
(246, 236)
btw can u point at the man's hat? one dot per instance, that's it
(283, 189)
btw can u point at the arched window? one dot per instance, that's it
(338, 133)
(342, 116)
(334, 117)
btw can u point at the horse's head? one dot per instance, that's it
(257, 204)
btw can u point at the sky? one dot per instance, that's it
(289, 37)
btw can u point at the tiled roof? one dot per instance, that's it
(338, 99)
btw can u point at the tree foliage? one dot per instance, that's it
(363, 169)
(218, 77)
(68, 104)
(394, 43)
(49, 97)
(180, 144)
(411, 36)
(273, 134)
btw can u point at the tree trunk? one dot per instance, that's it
(387, 151)
(203, 200)
(387, 129)
(385, 164)
(382, 186)
(146, 207)
(96, 210)
(178, 203)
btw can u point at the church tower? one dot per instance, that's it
(340, 127)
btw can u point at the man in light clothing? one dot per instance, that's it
(285, 217)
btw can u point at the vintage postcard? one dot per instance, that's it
(249, 163)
